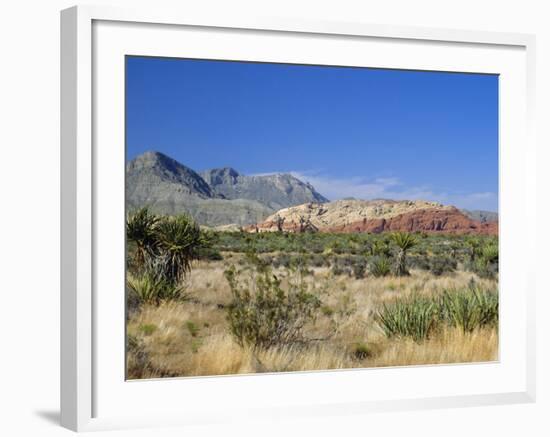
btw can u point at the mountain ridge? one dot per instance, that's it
(215, 197)
(223, 197)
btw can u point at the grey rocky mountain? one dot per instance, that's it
(275, 191)
(482, 216)
(218, 197)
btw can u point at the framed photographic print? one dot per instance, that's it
(270, 218)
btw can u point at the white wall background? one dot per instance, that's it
(29, 214)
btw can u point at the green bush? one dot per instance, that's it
(380, 266)
(483, 259)
(359, 269)
(148, 328)
(263, 314)
(192, 328)
(441, 265)
(361, 351)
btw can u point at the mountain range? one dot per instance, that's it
(222, 197)
(213, 197)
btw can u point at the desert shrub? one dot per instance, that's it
(351, 265)
(318, 260)
(378, 248)
(282, 260)
(469, 309)
(327, 310)
(209, 254)
(359, 268)
(147, 328)
(486, 264)
(420, 262)
(483, 257)
(441, 265)
(192, 328)
(338, 270)
(380, 266)
(262, 313)
(412, 317)
(361, 351)
(137, 358)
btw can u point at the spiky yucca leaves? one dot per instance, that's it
(417, 316)
(404, 241)
(485, 260)
(469, 309)
(490, 252)
(378, 248)
(152, 289)
(179, 242)
(140, 228)
(412, 317)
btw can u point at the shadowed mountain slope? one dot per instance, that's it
(276, 191)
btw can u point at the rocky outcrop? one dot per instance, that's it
(376, 217)
(448, 221)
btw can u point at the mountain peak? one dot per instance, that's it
(221, 176)
(156, 167)
(277, 190)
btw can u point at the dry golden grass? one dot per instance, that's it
(191, 338)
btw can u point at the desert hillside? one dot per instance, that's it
(375, 216)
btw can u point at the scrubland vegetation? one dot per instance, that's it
(212, 303)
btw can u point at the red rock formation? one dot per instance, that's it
(435, 221)
(445, 221)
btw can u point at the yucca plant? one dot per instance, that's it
(413, 317)
(179, 241)
(469, 309)
(474, 246)
(485, 262)
(490, 253)
(404, 243)
(147, 287)
(153, 288)
(140, 228)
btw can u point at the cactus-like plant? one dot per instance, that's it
(404, 242)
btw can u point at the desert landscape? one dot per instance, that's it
(234, 274)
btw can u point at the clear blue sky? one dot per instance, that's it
(351, 132)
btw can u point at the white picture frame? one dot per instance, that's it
(93, 39)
